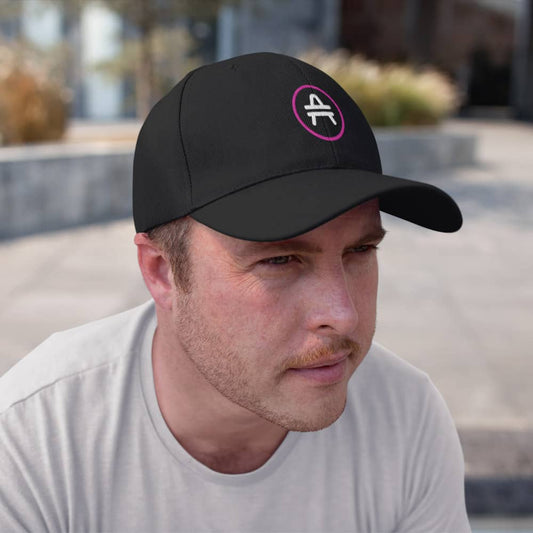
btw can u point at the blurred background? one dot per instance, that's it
(111, 59)
(448, 88)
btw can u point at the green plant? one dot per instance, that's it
(390, 94)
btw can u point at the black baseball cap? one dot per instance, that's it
(264, 147)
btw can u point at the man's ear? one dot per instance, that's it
(155, 270)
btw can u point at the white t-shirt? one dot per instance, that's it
(84, 447)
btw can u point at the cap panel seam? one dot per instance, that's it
(331, 143)
(187, 78)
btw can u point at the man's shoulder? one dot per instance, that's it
(385, 366)
(73, 352)
(387, 383)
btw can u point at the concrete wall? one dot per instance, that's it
(411, 153)
(54, 188)
(50, 187)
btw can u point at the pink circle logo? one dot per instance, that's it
(318, 113)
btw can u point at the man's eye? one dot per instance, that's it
(280, 260)
(283, 260)
(365, 248)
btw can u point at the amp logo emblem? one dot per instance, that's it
(318, 113)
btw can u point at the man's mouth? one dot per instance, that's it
(327, 371)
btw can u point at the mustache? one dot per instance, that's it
(317, 354)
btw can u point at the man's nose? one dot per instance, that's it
(331, 300)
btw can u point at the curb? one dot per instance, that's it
(499, 496)
(499, 470)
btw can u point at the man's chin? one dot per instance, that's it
(313, 425)
(307, 422)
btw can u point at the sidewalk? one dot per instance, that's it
(459, 306)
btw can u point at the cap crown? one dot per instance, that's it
(239, 122)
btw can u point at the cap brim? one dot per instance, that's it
(287, 206)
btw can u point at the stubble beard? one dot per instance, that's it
(230, 378)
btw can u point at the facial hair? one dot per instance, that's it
(229, 375)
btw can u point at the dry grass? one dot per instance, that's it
(33, 108)
(390, 94)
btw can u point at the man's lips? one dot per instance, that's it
(326, 361)
(327, 371)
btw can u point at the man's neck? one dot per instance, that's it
(234, 462)
(215, 431)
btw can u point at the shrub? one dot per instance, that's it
(32, 107)
(390, 94)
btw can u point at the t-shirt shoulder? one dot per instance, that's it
(73, 351)
(385, 365)
(389, 383)
(410, 436)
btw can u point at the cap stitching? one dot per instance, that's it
(332, 146)
(186, 80)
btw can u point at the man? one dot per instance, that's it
(248, 394)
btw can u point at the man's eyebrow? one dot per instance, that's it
(297, 245)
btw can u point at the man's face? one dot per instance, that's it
(259, 312)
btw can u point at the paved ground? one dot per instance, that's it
(459, 306)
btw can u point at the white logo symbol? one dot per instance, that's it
(314, 104)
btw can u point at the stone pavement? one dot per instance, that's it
(459, 306)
